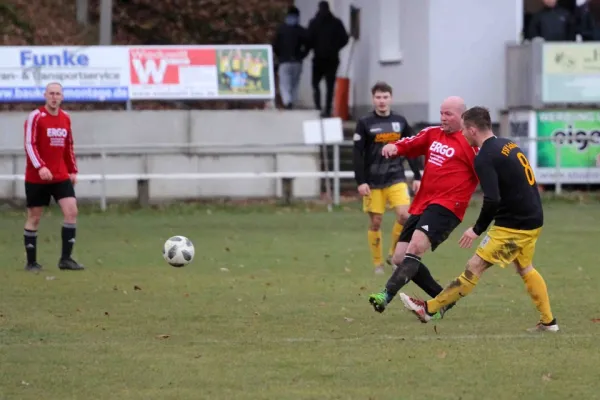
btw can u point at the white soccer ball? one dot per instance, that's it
(178, 251)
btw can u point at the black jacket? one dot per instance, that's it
(587, 25)
(290, 43)
(553, 25)
(327, 36)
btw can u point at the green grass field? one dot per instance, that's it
(275, 307)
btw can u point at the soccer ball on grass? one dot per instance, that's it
(178, 251)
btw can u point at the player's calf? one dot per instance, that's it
(34, 215)
(68, 206)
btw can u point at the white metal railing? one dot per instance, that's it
(103, 151)
(556, 174)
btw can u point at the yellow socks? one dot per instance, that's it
(375, 246)
(536, 287)
(396, 230)
(460, 287)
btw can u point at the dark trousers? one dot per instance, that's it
(324, 69)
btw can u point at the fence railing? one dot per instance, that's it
(285, 178)
(582, 168)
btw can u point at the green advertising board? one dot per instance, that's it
(576, 135)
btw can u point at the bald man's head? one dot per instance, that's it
(450, 113)
(54, 97)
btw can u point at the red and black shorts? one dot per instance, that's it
(436, 222)
(39, 194)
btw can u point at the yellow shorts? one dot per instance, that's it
(394, 196)
(503, 246)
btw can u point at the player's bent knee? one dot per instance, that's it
(375, 224)
(523, 270)
(402, 218)
(419, 244)
(402, 214)
(477, 265)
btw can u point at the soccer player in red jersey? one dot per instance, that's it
(448, 182)
(51, 172)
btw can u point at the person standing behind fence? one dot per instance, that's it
(553, 24)
(587, 17)
(290, 45)
(327, 37)
(50, 172)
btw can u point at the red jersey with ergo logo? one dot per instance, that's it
(49, 143)
(449, 177)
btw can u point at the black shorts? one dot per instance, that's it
(436, 222)
(39, 194)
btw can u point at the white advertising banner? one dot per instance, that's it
(122, 73)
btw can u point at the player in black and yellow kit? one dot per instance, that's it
(382, 181)
(511, 198)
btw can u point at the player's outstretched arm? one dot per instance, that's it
(413, 146)
(488, 179)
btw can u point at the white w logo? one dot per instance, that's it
(150, 69)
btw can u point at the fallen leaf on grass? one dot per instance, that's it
(348, 319)
(227, 249)
(24, 383)
(256, 313)
(442, 354)
(106, 313)
(363, 288)
(225, 269)
(595, 319)
(186, 295)
(115, 287)
(136, 287)
(547, 377)
(50, 278)
(347, 269)
(163, 336)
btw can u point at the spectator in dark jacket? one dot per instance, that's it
(588, 20)
(290, 45)
(327, 36)
(552, 23)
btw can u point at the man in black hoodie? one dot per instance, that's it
(327, 36)
(552, 23)
(588, 20)
(290, 45)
